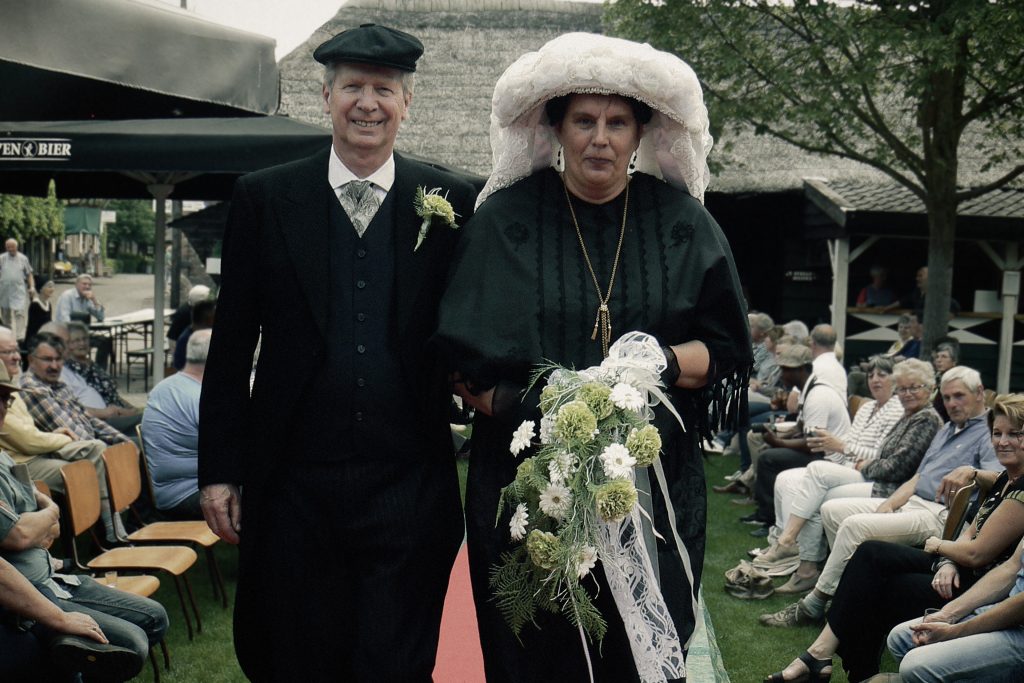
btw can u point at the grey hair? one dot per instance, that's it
(951, 349)
(76, 326)
(915, 370)
(198, 347)
(83, 277)
(880, 363)
(762, 321)
(796, 329)
(408, 78)
(969, 376)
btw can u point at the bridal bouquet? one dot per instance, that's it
(575, 501)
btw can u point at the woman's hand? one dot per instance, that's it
(945, 581)
(931, 546)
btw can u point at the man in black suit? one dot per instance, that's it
(341, 456)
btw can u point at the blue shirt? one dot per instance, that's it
(170, 434)
(950, 449)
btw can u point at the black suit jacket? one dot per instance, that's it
(274, 280)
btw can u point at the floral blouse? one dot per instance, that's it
(100, 380)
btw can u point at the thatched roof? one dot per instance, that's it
(469, 43)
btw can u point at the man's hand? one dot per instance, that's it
(76, 624)
(222, 508)
(771, 438)
(933, 631)
(953, 482)
(66, 432)
(885, 507)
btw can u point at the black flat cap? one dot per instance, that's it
(372, 44)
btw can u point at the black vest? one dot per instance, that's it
(369, 410)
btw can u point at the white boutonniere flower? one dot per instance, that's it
(431, 205)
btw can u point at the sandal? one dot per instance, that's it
(814, 671)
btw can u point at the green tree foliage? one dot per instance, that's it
(136, 222)
(905, 87)
(24, 218)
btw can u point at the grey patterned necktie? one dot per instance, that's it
(360, 203)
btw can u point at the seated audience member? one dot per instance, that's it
(882, 450)
(28, 526)
(44, 453)
(68, 643)
(945, 355)
(887, 583)
(49, 401)
(183, 316)
(40, 309)
(80, 300)
(170, 432)
(903, 335)
(978, 637)
(848, 522)
(80, 303)
(876, 293)
(203, 314)
(79, 369)
(822, 406)
(912, 348)
(915, 299)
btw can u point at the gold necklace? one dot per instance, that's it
(603, 320)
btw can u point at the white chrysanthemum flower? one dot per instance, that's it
(616, 461)
(521, 437)
(517, 525)
(547, 425)
(628, 398)
(587, 560)
(555, 501)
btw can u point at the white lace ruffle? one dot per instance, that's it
(675, 143)
(657, 652)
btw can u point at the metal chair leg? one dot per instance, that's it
(192, 599)
(156, 667)
(167, 654)
(218, 580)
(184, 607)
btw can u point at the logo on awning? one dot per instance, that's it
(35, 149)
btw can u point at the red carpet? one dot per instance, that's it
(459, 659)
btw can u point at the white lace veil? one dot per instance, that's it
(675, 143)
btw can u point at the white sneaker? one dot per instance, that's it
(734, 476)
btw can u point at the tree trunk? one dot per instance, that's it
(941, 240)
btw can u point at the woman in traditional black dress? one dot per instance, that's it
(555, 265)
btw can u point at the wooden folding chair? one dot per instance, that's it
(143, 585)
(82, 490)
(124, 470)
(855, 402)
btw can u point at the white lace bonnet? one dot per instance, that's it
(675, 143)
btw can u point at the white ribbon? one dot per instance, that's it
(637, 359)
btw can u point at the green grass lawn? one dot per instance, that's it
(750, 650)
